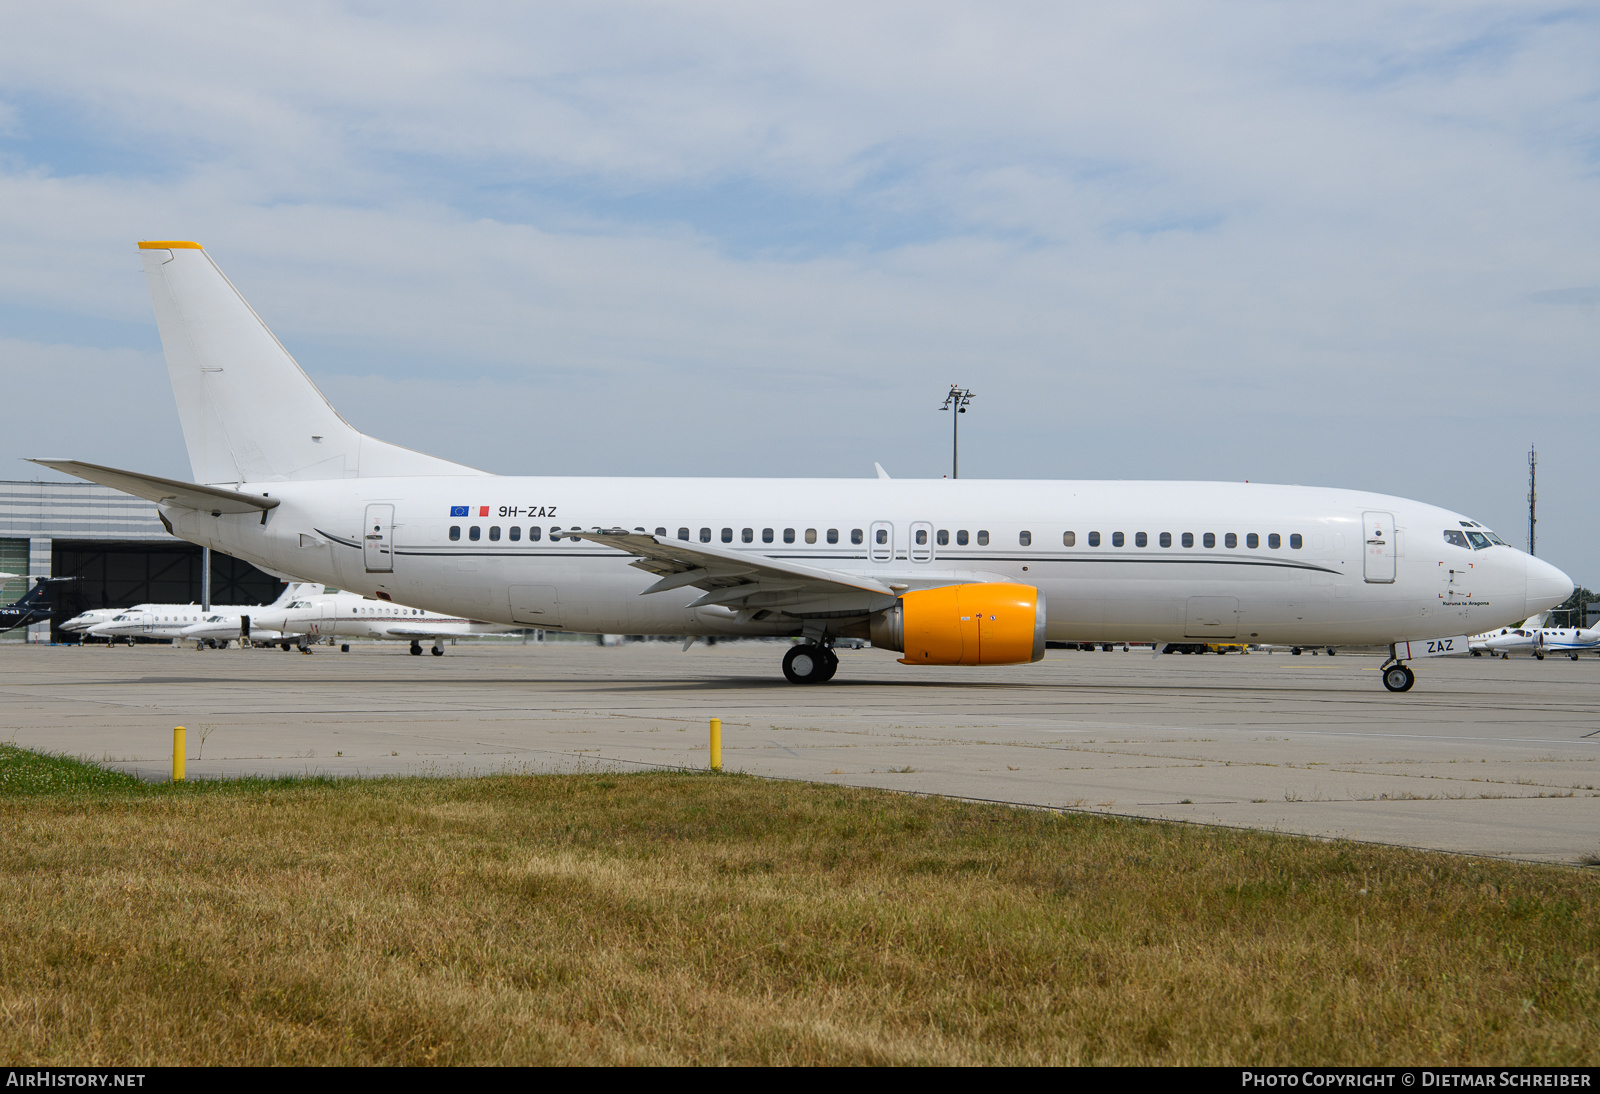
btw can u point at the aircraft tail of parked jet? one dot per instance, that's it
(249, 412)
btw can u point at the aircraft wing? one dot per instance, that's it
(420, 630)
(187, 495)
(740, 578)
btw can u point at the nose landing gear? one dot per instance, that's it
(1398, 677)
(810, 663)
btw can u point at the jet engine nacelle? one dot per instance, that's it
(989, 623)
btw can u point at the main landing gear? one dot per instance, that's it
(416, 649)
(810, 663)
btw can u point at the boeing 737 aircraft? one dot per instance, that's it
(945, 571)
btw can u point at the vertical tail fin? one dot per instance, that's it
(249, 413)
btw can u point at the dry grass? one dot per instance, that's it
(702, 919)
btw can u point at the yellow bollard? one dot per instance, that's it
(177, 754)
(716, 744)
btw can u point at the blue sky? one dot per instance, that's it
(1346, 244)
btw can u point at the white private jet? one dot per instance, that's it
(1532, 636)
(351, 615)
(84, 620)
(946, 571)
(170, 621)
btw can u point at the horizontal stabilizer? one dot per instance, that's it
(185, 495)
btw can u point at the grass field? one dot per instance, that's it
(679, 918)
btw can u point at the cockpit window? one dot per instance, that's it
(1493, 538)
(1458, 539)
(1479, 540)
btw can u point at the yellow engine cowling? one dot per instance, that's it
(988, 623)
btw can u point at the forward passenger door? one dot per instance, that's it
(1378, 533)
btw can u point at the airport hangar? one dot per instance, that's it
(117, 548)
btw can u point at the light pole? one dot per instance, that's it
(958, 398)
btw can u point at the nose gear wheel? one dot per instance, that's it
(1398, 678)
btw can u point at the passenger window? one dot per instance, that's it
(811, 535)
(727, 535)
(922, 537)
(661, 532)
(961, 538)
(1188, 539)
(1455, 538)
(943, 537)
(1069, 539)
(1295, 541)
(1252, 541)
(1094, 539)
(514, 533)
(833, 535)
(1230, 540)
(1026, 539)
(474, 532)
(1141, 540)
(1116, 539)
(683, 534)
(856, 535)
(747, 536)
(1274, 541)
(766, 535)
(533, 534)
(494, 533)
(788, 535)
(1209, 539)
(881, 535)
(705, 535)
(455, 531)
(555, 533)
(983, 537)
(1166, 539)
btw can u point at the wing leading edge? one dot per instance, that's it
(745, 580)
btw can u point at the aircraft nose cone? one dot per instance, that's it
(1547, 586)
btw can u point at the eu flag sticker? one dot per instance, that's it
(458, 510)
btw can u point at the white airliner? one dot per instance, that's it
(170, 621)
(946, 571)
(350, 615)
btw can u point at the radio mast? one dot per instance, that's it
(1533, 496)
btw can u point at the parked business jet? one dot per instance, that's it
(351, 615)
(1532, 637)
(171, 620)
(84, 620)
(945, 571)
(1524, 635)
(32, 607)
